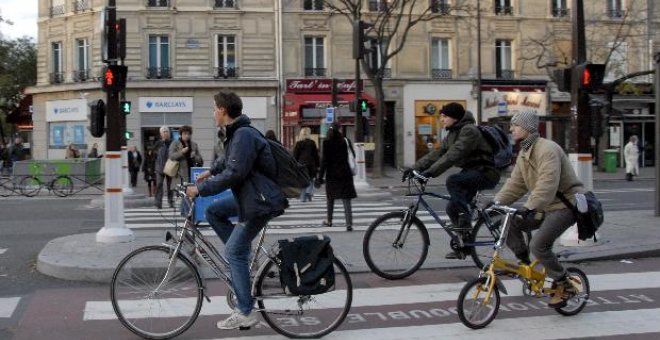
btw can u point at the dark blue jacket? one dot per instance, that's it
(246, 169)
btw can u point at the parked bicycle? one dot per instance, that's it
(61, 186)
(397, 243)
(7, 186)
(479, 300)
(157, 291)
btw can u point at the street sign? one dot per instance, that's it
(329, 115)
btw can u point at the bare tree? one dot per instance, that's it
(392, 22)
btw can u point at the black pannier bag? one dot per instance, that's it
(589, 219)
(306, 265)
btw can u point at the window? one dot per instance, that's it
(57, 76)
(503, 7)
(378, 58)
(440, 63)
(440, 6)
(377, 5)
(158, 3)
(57, 7)
(503, 56)
(314, 57)
(81, 73)
(616, 67)
(225, 4)
(313, 5)
(81, 5)
(615, 8)
(159, 57)
(559, 9)
(226, 61)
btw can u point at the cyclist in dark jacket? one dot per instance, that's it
(466, 148)
(248, 169)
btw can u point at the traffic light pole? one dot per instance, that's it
(359, 136)
(657, 133)
(114, 229)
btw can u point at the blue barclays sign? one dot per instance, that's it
(166, 104)
(66, 110)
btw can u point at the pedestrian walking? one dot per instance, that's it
(631, 155)
(162, 150)
(219, 148)
(72, 152)
(149, 169)
(339, 178)
(186, 152)
(306, 152)
(249, 169)
(134, 164)
(94, 151)
(270, 134)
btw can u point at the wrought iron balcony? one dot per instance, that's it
(158, 3)
(615, 13)
(441, 73)
(314, 72)
(81, 5)
(57, 10)
(505, 74)
(56, 77)
(80, 75)
(377, 6)
(224, 4)
(159, 72)
(440, 6)
(225, 72)
(561, 12)
(504, 10)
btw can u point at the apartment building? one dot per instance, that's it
(281, 58)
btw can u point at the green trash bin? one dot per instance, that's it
(610, 161)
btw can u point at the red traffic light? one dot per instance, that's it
(591, 76)
(586, 77)
(114, 78)
(109, 77)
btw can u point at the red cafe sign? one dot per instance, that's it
(320, 85)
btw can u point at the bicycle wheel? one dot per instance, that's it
(6, 186)
(310, 316)
(579, 301)
(152, 302)
(62, 186)
(389, 256)
(30, 186)
(472, 308)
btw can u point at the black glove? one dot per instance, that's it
(407, 173)
(530, 216)
(427, 174)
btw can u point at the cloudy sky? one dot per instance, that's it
(23, 13)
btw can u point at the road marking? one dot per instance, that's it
(2, 250)
(7, 306)
(102, 310)
(548, 327)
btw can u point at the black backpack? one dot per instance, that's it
(291, 175)
(499, 141)
(306, 265)
(587, 222)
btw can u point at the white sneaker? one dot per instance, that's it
(238, 320)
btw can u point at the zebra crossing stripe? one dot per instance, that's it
(7, 306)
(2, 250)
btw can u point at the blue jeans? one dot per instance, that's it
(308, 192)
(238, 240)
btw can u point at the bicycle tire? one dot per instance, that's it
(369, 247)
(151, 269)
(467, 317)
(335, 304)
(62, 186)
(6, 187)
(481, 234)
(577, 303)
(30, 186)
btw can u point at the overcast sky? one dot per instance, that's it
(23, 13)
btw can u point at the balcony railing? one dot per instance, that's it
(505, 74)
(80, 75)
(441, 73)
(504, 10)
(439, 6)
(224, 4)
(313, 5)
(314, 72)
(158, 3)
(377, 6)
(56, 77)
(561, 12)
(615, 13)
(81, 5)
(225, 72)
(159, 72)
(57, 10)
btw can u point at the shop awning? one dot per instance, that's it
(295, 103)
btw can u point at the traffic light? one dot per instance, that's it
(120, 27)
(128, 135)
(359, 105)
(590, 76)
(125, 107)
(114, 78)
(359, 36)
(563, 79)
(97, 118)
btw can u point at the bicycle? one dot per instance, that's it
(7, 186)
(164, 283)
(479, 300)
(61, 186)
(400, 236)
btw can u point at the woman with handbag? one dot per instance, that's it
(335, 164)
(186, 152)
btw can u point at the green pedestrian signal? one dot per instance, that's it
(128, 135)
(363, 105)
(125, 107)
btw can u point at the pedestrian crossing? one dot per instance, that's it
(302, 217)
(8, 306)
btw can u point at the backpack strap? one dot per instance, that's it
(567, 203)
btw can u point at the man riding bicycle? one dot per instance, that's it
(247, 168)
(542, 169)
(466, 148)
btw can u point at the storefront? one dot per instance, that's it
(633, 115)
(305, 102)
(66, 124)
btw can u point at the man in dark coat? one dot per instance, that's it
(248, 169)
(162, 154)
(466, 148)
(339, 178)
(134, 163)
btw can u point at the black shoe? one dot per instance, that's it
(455, 255)
(349, 228)
(326, 224)
(159, 206)
(172, 205)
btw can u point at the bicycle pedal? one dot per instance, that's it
(244, 328)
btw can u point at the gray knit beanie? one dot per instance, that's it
(527, 120)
